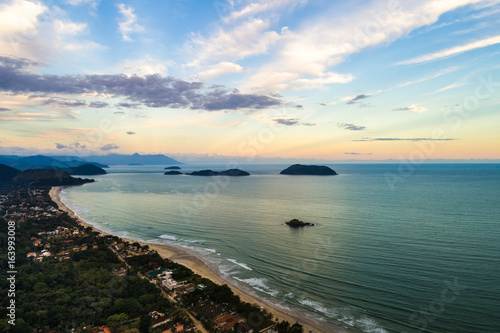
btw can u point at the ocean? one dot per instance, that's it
(395, 248)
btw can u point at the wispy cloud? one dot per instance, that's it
(128, 23)
(4, 109)
(453, 51)
(402, 139)
(351, 153)
(355, 99)
(413, 108)
(108, 147)
(291, 122)
(131, 133)
(218, 70)
(351, 127)
(262, 6)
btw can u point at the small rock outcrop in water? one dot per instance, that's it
(315, 170)
(173, 172)
(230, 172)
(298, 223)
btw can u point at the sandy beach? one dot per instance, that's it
(203, 269)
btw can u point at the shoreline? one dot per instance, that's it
(199, 267)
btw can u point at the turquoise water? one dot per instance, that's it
(418, 255)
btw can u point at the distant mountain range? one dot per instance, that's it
(135, 159)
(68, 163)
(46, 162)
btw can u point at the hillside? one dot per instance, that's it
(13, 178)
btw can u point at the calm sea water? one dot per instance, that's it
(393, 250)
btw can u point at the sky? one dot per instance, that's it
(259, 79)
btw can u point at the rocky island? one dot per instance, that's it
(173, 168)
(295, 223)
(230, 172)
(173, 172)
(315, 170)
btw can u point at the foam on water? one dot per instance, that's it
(234, 261)
(168, 237)
(259, 284)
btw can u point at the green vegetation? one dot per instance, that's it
(72, 279)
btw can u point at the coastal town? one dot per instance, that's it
(71, 278)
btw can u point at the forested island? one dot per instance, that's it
(314, 170)
(230, 172)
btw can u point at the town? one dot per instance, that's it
(74, 279)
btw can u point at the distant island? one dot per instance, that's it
(295, 223)
(173, 168)
(173, 172)
(230, 172)
(316, 170)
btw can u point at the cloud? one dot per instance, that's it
(108, 147)
(151, 90)
(291, 122)
(97, 105)
(75, 145)
(413, 108)
(350, 153)
(351, 127)
(33, 30)
(219, 70)
(128, 106)
(287, 122)
(64, 102)
(128, 24)
(257, 7)
(246, 39)
(353, 100)
(61, 146)
(402, 139)
(36, 116)
(92, 3)
(131, 133)
(4, 109)
(453, 51)
(145, 66)
(311, 50)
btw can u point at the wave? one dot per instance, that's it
(365, 324)
(169, 237)
(234, 261)
(260, 285)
